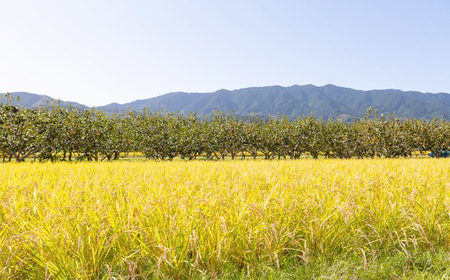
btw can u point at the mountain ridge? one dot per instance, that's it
(327, 101)
(33, 100)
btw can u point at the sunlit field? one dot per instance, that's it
(358, 219)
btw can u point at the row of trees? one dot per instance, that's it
(57, 133)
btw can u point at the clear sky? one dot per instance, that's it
(97, 52)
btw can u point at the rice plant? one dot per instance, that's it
(360, 219)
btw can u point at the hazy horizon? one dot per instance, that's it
(96, 53)
(231, 90)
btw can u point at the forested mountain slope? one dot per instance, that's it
(326, 102)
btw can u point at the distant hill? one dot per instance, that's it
(326, 102)
(32, 100)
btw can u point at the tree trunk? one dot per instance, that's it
(18, 158)
(116, 155)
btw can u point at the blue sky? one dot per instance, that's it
(98, 52)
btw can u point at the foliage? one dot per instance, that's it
(57, 133)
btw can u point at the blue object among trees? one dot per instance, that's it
(443, 154)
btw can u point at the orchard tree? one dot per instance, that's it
(22, 132)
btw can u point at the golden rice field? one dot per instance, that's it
(353, 219)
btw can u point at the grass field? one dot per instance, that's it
(357, 219)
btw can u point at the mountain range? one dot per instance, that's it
(326, 102)
(32, 100)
